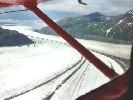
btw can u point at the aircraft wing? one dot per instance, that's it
(2, 5)
(8, 3)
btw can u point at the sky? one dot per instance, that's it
(107, 7)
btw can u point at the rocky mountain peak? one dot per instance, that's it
(96, 14)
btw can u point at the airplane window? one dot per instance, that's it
(37, 64)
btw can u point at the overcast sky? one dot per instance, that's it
(107, 7)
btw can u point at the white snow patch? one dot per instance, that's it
(27, 67)
(120, 22)
(131, 12)
(108, 31)
(107, 18)
(44, 62)
(129, 24)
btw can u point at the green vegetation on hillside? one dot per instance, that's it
(118, 29)
(13, 38)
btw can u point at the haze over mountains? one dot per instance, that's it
(55, 15)
(98, 27)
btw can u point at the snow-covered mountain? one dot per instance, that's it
(98, 27)
(95, 17)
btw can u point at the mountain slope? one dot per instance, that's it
(13, 38)
(98, 27)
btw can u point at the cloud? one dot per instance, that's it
(108, 7)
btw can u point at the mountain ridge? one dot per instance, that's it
(108, 28)
(13, 38)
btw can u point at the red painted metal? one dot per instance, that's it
(114, 90)
(121, 88)
(32, 5)
(4, 4)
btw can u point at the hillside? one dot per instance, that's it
(13, 38)
(118, 29)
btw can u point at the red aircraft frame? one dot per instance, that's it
(114, 90)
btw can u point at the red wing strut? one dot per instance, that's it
(32, 5)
